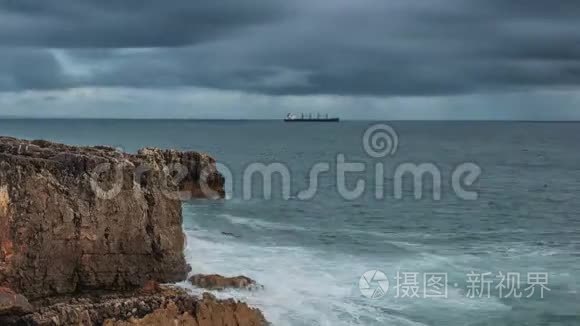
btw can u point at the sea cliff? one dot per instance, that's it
(86, 231)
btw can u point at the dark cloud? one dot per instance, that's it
(365, 47)
(127, 23)
(23, 69)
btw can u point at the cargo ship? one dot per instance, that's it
(309, 118)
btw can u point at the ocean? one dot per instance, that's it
(508, 256)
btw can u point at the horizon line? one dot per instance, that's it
(280, 120)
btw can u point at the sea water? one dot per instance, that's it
(310, 254)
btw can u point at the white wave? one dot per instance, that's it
(305, 286)
(260, 224)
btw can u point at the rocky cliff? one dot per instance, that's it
(79, 220)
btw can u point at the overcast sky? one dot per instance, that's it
(358, 59)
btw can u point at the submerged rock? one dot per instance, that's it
(230, 234)
(218, 282)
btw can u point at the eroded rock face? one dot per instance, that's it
(77, 219)
(218, 282)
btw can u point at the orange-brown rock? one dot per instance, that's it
(88, 233)
(78, 219)
(218, 282)
(170, 315)
(207, 311)
(151, 287)
(212, 312)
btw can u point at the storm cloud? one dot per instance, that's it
(329, 47)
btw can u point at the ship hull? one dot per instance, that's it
(312, 120)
